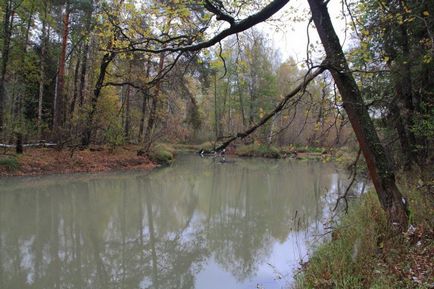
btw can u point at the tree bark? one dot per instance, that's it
(127, 113)
(145, 101)
(379, 166)
(7, 33)
(153, 112)
(75, 85)
(84, 57)
(58, 114)
(87, 134)
(42, 68)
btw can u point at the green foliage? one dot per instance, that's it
(162, 154)
(114, 135)
(424, 125)
(10, 163)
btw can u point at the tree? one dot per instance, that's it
(379, 166)
(8, 20)
(396, 46)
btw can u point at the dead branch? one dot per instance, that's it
(301, 87)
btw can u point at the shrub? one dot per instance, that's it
(10, 163)
(163, 154)
(258, 150)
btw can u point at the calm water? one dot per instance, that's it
(198, 224)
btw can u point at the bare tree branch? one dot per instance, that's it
(237, 27)
(218, 11)
(301, 87)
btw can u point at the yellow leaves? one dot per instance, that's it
(425, 42)
(261, 112)
(425, 13)
(129, 6)
(386, 58)
(365, 32)
(427, 58)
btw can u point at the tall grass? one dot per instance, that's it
(364, 251)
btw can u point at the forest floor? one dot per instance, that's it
(43, 161)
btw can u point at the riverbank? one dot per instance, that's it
(44, 161)
(265, 151)
(364, 253)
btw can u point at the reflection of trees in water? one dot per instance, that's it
(154, 231)
(96, 237)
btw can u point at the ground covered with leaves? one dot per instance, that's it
(40, 161)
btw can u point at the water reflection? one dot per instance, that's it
(197, 224)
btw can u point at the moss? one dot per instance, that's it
(162, 154)
(10, 163)
(258, 150)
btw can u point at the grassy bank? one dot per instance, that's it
(162, 154)
(261, 150)
(363, 252)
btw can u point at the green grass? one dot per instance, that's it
(341, 263)
(10, 163)
(364, 253)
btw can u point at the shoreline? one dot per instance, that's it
(49, 161)
(97, 159)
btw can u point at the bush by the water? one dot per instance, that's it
(162, 154)
(10, 163)
(258, 150)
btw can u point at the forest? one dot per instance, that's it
(77, 75)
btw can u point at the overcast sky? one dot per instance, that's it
(291, 37)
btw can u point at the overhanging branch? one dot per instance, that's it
(235, 28)
(301, 87)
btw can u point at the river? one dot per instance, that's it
(198, 224)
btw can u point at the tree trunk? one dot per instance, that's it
(7, 33)
(87, 134)
(20, 96)
(127, 113)
(379, 166)
(76, 82)
(19, 144)
(153, 113)
(127, 123)
(216, 114)
(403, 84)
(142, 118)
(144, 103)
(58, 114)
(84, 57)
(42, 69)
